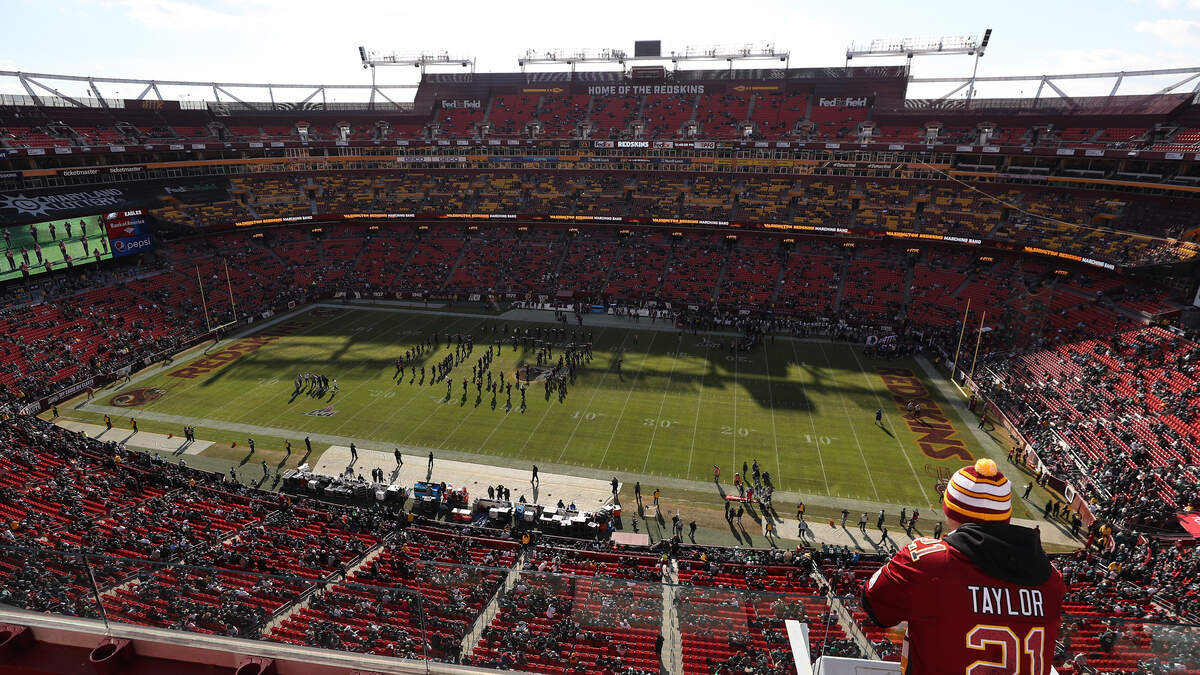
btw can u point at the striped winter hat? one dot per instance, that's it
(978, 494)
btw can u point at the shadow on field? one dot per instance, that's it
(768, 373)
(739, 532)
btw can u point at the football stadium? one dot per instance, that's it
(615, 361)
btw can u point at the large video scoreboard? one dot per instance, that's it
(54, 245)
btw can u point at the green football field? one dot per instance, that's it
(805, 410)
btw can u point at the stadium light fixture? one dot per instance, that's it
(936, 46)
(573, 56)
(371, 59)
(421, 60)
(910, 47)
(746, 52)
(729, 54)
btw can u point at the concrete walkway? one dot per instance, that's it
(586, 493)
(142, 440)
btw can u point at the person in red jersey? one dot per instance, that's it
(982, 601)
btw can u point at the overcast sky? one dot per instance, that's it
(316, 41)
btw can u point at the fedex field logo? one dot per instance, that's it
(131, 245)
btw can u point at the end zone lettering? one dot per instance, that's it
(238, 349)
(935, 434)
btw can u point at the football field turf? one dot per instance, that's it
(804, 409)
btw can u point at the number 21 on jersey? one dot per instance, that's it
(1012, 650)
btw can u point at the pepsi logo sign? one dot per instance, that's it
(129, 245)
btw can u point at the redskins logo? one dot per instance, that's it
(136, 397)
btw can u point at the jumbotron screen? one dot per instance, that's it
(54, 245)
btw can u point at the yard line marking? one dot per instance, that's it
(504, 419)
(699, 397)
(771, 401)
(417, 389)
(641, 369)
(899, 443)
(595, 390)
(620, 354)
(432, 412)
(371, 405)
(813, 422)
(495, 428)
(191, 384)
(372, 329)
(248, 414)
(471, 412)
(663, 401)
(733, 392)
(853, 432)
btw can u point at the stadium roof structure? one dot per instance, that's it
(1189, 74)
(49, 89)
(57, 98)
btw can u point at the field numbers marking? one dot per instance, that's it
(381, 393)
(819, 440)
(661, 424)
(587, 416)
(742, 432)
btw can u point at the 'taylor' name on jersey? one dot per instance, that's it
(998, 601)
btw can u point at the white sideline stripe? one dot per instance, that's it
(798, 637)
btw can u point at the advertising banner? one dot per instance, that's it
(130, 245)
(42, 205)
